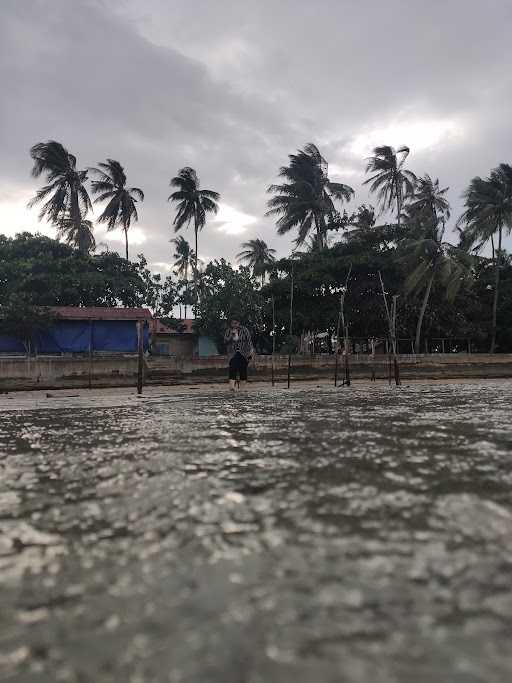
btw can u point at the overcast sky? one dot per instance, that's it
(231, 87)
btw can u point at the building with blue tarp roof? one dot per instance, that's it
(86, 330)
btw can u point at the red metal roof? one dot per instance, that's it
(157, 327)
(101, 313)
(183, 327)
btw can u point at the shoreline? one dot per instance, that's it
(20, 399)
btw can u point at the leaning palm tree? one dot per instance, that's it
(82, 237)
(258, 256)
(306, 199)
(192, 204)
(392, 182)
(110, 186)
(184, 258)
(488, 215)
(66, 197)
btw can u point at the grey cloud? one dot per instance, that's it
(231, 87)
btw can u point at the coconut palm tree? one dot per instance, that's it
(192, 203)
(306, 199)
(429, 196)
(81, 238)
(66, 197)
(258, 256)
(110, 186)
(184, 258)
(488, 215)
(364, 218)
(391, 181)
(429, 256)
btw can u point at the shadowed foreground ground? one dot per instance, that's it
(357, 535)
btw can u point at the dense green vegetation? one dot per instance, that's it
(445, 289)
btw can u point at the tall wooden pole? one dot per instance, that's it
(391, 317)
(291, 329)
(343, 325)
(140, 355)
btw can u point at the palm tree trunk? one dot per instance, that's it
(496, 288)
(126, 241)
(423, 308)
(398, 204)
(77, 218)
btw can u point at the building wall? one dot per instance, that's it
(184, 346)
(207, 347)
(181, 346)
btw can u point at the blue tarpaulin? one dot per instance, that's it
(10, 345)
(78, 336)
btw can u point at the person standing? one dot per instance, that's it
(240, 351)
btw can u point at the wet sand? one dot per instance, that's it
(276, 536)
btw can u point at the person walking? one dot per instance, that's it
(240, 351)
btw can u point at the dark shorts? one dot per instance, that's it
(238, 366)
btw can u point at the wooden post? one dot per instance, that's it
(140, 355)
(372, 341)
(442, 345)
(90, 354)
(273, 336)
(394, 341)
(347, 365)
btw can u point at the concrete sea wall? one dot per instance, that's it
(362, 366)
(57, 372)
(54, 372)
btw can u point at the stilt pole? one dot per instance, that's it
(140, 355)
